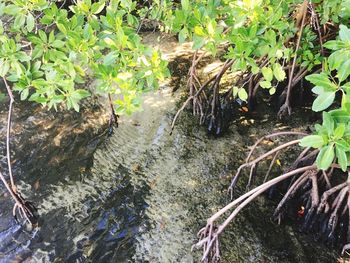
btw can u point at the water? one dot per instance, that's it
(140, 195)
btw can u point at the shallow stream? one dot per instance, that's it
(140, 195)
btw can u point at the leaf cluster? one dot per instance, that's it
(333, 136)
(50, 53)
(253, 31)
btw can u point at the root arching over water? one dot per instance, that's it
(324, 197)
(22, 208)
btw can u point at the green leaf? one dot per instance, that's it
(58, 43)
(185, 4)
(336, 59)
(328, 122)
(97, 8)
(38, 98)
(344, 33)
(242, 94)
(318, 90)
(30, 22)
(4, 68)
(278, 72)
(51, 37)
(340, 115)
(62, 28)
(24, 94)
(75, 105)
(199, 31)
(344, 71)
(314, 141)
(272, 90)
(342, 159)
(198, 42)
(265, 84)
(323, 101)
(342, 144)
(267, 73)
(325, 157)
(83, 93)
(235, 90)
(19, 21)
(12, 9)
(183, 35)
(110, 58)
(43, 36)
(339, 131)
(334, 44)
(211, 27)
(255, 69)
(322, 81)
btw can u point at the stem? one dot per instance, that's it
(271, 165)
(286, 105)
(8, 134)
(268, 137)
(8, 187)
(260, 158)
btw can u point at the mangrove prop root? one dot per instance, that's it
(257, 160)
(325, 204)
(197, 94)
(23, 208)
(210, 104)
(269, 136)
(8, 134)
(113, 117)
(286, 108)
(215, 117)
(211, 233)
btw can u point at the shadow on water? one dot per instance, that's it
(137, 196)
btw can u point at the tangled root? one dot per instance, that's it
(325, 201)
(326, 207)
(25, 209)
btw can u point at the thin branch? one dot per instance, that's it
(286, 105)
(8, 135)
(271, 165)
(260, 158)
(24, 208)
(276, 134)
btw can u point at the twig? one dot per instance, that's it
(260, 158)
(286, 105)
(317, 26)
(24, 208)
(8, 134)
(276, 134)
(113, 118)
(271, 165)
